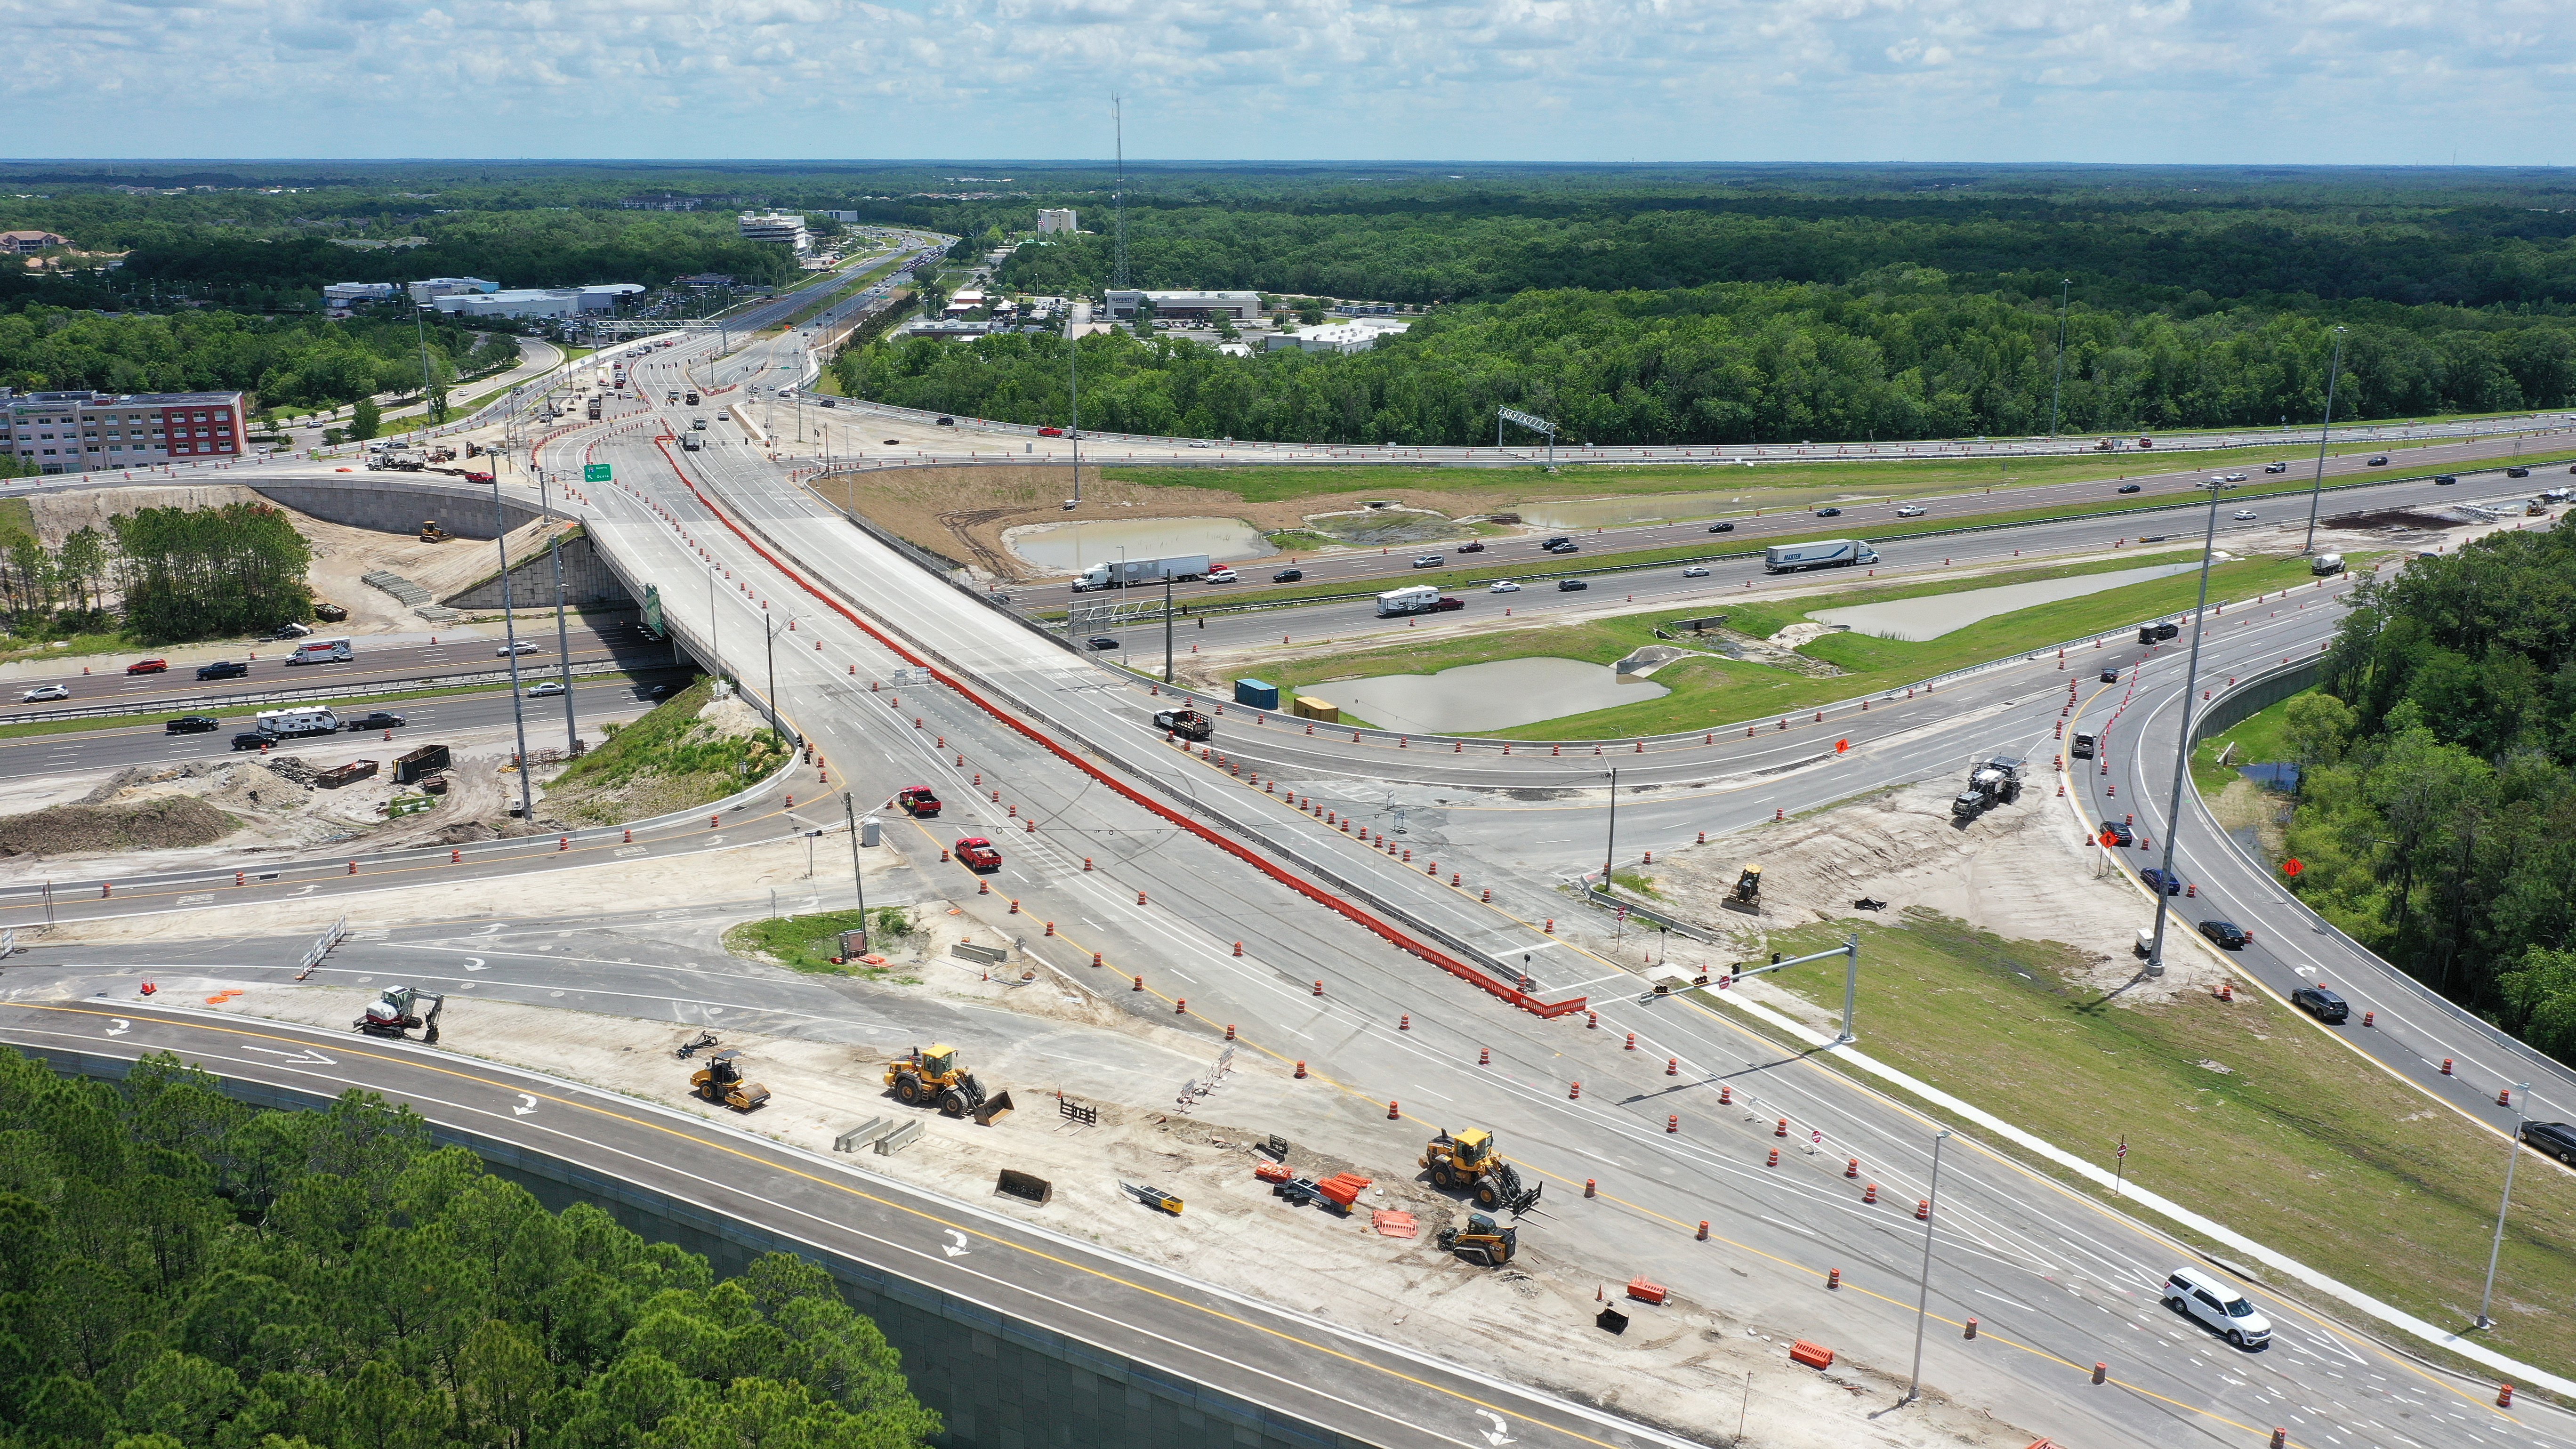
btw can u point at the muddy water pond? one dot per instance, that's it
(1477, 697)
(1933, 615)
(1072, 547)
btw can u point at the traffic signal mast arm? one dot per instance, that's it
(1850, 949)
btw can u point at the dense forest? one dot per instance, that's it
(2437, 798)
(180, 1272)
(288, 363)
(1903, 353)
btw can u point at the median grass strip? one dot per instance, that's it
(2235, 1110)
(668, 760)
(809, 943)
(1716, 690)
(855, 284)
(145, 722)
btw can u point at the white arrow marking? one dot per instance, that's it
(527, 1104)
(307, 1057)
(957, 1249)
(308, 890)
(1494, 1435)
(121, 1028)
(493, 929)
(473, 963)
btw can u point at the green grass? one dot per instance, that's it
(673, 756)
(808, 943)
(854, 284)
(2259, 740)
(75, 646)
(1716, 690)
(2299, 1143)
(17, 515)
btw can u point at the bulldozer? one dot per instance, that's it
(1469, 1162)
(391, 1014)
(932, 1077)
(430, 532)
(1482, 1242)
(1748, 889)
(720, 1081)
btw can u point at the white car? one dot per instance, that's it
(1220, 576)
(1202, 445)
(47, 691)
(2243, 515)
(541, 691)
(2216, 1304)
(1910, 511)
(524, 646)
(1505, 587)
(2235, 477)
(1694, 572)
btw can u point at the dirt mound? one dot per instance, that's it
(236, 784)
(162, 823)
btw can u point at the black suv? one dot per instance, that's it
(250, 740)
(1721, 528)
(2555, 1138)
(2444, 480)
(2120, 832)
(2517, 472)
(2322, 1004)
(1287, 576)
(380, 720)
(222, 669)
(1568, 586)
(2227, 934)
(190, 724)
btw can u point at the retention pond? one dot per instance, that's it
(1073, 547)
(1474, 698)
(1929, 616)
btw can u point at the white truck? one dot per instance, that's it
(320, 651)
(1824, 553)
(307, 719)
(1419, 599)
(1126, 573)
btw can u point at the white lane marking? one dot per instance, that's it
(527, 1104)
(957, 1249)
(121, 1027)
(307, 1057)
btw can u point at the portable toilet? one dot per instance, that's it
(1256, 693)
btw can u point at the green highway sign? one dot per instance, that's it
(594, 472)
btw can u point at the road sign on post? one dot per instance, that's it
(1504, 415)
(594, 472)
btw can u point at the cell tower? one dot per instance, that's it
(1118, 120)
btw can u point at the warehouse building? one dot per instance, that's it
(1186, 306)
(431, 289)
(1333, 337)
(539, 302)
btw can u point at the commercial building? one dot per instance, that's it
(539, 302)
(27, 243)
(966, 300)
(707, 279)
(776, 226)
(342, 294)
(80, 432)
(1056, 219)
(430, 289)
(1334, 337)
(1187, 306)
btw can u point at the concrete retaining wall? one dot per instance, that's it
(1000, 1383)
(390, 507)
(587, 579)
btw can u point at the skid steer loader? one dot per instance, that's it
(1482, 1242)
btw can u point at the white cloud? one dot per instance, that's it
(2399, 81)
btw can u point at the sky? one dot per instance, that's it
(2379, 82)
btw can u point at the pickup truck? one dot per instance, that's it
(1189, 724)
(918, 801)
(976, 853)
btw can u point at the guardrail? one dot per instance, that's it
(200, 703)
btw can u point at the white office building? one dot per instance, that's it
(1334, 337)
(1186, 306)
(1056, 219)
(342, 294)
(539, 302)
(431, 289)
(776, 226)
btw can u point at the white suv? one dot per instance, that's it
(2219, 1307)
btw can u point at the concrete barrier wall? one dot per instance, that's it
(2237, 706)
(999, 1382)
(378, 503)
(587, 579)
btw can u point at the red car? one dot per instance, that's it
(148, 666)
(1050, 432)
(918, 801)
(478, 476)
(977, 853)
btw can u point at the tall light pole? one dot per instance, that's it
(2182, 749)
(510, 633)
(1073, 425)
(2513, 1154)
(2057, 390)
(715, 655)
(420, 331)
(1923, 1289)
(1610, 842)
(858, 882)
(2325, 431)
(563, 647)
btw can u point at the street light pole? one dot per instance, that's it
(1167, 626)
(563, 646)
(1073, 385)
(858, 882)
(1610, 845)
(2325, 431)
(1923, 1290)
(2057, 389)
(2513, 1154)
(510, 633)
(2182, 748)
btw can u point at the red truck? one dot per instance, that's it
(918, 801)
(977, 853)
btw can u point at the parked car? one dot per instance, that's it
(1287, 576)
(2128, 487)
(1505, 586)
(1473, 545)
(2120, 832)
(2557, 1139)
(190, 724)
(1221, 576)
(47, 691)
(148, 666)
(1829, 513)
(1099, 643)
(1911, 511)
(2377, 460)
(2322, 1004)
(1721, 527)
(2201, 1295)
(544, 690)
(1571, 586)
(2227, 934)
(1429, 561)
(250, 740)
(2276, 467)
(382, 719)
(1695, 572)
(292, 630)
(2157, 880)
(222, 669)
(523, 646)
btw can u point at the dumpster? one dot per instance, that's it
(339, 775)
(1309, 707)
(1260, 694)
(427, 760)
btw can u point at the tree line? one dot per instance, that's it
(2437, 793)
(178, 1271)
(283, 362)
(1904, 353)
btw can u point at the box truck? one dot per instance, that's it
(1827, 553)
(319, 651)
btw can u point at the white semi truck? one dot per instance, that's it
(1128, 573)
(1823, 553)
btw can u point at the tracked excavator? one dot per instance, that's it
(1469, 1162)
(392, 1015)
(933, 1077)
(720, 1081)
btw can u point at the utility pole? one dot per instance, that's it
(510, 636)
(2057, 389)
(2182, 749)
(420, 331)
(2325, 432)
(858, 882)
